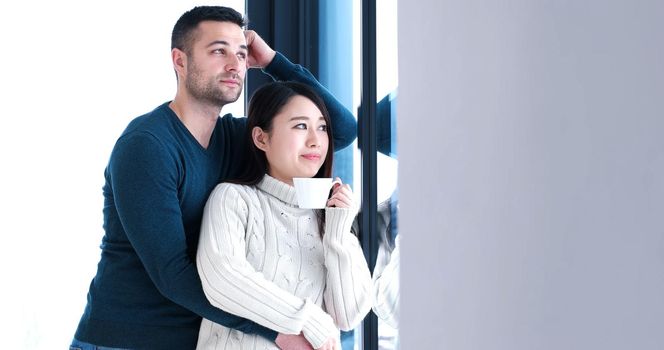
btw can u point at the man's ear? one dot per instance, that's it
(260, 138)
(179, 59)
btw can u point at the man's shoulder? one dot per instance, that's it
(230, 130)
(229, 120)
(157, 125)
(157, 119)
(151, 131)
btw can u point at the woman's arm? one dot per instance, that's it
(348, 292)
(386, 284)
(232, 284)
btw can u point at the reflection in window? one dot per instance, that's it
(386, 271)
(340, 70)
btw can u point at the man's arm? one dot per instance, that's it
(145, 189)
(277, 66)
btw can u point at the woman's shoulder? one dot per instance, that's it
(228, 187)
(231, 197)
(227, 191)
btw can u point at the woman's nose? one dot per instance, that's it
(314, 139)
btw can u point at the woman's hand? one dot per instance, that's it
(342, 195)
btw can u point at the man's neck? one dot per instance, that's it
(199, 118)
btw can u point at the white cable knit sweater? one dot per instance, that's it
(261, 257)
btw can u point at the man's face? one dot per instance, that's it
(217, 63)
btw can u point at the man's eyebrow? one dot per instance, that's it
(224, 42)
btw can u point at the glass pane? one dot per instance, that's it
(339, 71)
(386, 272)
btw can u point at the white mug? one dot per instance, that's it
(313, 192)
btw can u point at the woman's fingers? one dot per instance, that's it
(342, 197)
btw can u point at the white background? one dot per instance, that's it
(74, 73)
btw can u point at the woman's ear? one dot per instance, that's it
(260, 138)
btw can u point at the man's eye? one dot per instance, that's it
(219, 51)
(242, 56)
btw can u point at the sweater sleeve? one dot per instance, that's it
(348, 291)
(386, 284)
(344, 124)
(232, 284)
(145, 190)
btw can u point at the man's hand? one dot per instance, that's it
(260, 53)
(292, 342)
(331, 344)
(299, 342)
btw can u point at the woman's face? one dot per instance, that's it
(297, 144)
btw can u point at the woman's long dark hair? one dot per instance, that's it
(264, 105)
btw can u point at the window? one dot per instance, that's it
(350, 46)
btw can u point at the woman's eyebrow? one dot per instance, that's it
(304, 118)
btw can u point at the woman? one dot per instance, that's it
(262, 257)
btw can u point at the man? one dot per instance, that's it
(146, 293)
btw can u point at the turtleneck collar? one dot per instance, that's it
(278, 189)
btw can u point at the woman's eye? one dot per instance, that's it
(322, 127)
(301, 126)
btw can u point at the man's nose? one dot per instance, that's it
(232, 63)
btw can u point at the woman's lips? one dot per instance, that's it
(311, 156)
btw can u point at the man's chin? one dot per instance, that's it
(232, 98)
(224, 100)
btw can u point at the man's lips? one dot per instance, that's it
(231, 82)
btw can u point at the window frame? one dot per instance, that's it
(292, 28)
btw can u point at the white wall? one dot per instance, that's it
(537, 127)
(74, 73)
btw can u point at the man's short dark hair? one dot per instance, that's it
(183, 31)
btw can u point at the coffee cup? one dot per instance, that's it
(313, 192)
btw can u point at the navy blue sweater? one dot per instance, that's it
(147, 293)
